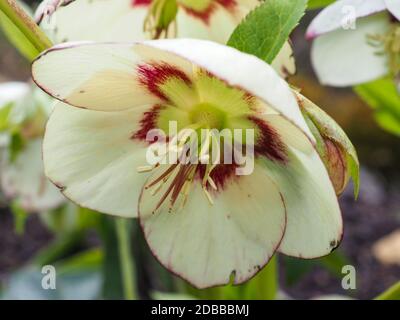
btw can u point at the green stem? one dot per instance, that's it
(127, 267)
(393, 293)
(25, 24)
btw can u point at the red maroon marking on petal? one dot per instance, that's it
(269, 143)
(147, 123)
(228, 4)
(153, 75)
(141, 2)
(202, 15)
(206, 14)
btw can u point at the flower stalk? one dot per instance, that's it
(126, 262)
(13, 11)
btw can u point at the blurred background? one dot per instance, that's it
(82, 243)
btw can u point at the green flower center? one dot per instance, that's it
(208, 116)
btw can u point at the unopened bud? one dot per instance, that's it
(334, 147)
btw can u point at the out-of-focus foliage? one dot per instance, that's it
(295, 269)
(383, 97)
(265, 30)
(315, 4)
(78, 277)
(20, 27)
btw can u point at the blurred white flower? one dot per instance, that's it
(346, 56)
(124, 20)
(23, 112)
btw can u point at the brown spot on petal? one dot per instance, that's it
(59, 186)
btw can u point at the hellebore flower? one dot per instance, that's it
(23, 112)
(124, 20)
(348, 52)
(203, 222)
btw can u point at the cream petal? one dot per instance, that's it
(99, 76)
(92, 157)
(104, 76)
(238, 69)
(284, 63)
(208, 244)
(314, 222)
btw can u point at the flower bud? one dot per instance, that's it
(333, 145)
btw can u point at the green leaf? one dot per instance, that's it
(315, 4)
(334, 263)
(62, 246)
(17, 144)
(265, 30)
(393, 293)
(112, 285)
(296, 269)
(4, 113)
(84, 261)
(382, 96)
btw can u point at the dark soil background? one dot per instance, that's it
(375, 214)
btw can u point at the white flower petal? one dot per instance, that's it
(104, 76)
(207, 244)
(91, 75)
(90, 155)
(345, 58)
(314, 222)
(239, 70)
(289, 134)
(394, 7)
(338, 14)
(12, 91)
(99, 20)
(24, 180)
(284, 63)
